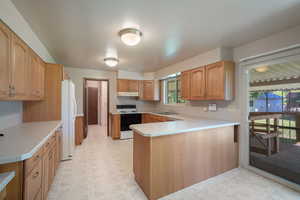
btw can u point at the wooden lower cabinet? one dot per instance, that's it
(14, 190)
(3, 194)
(152, 118)
(79, 130)
(115, 126)
(33, 182)
(34, 176)
(166, 164)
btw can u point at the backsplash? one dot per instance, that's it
(10, 113)
(225, 110)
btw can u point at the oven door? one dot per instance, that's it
(128, 119)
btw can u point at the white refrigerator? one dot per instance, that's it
(69, 112)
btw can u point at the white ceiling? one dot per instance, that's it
(79, 33)
(287, 70)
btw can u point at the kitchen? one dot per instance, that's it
(177, 124)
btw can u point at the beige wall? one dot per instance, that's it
(11, 112)
(77, 75)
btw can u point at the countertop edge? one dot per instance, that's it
(27, 155)
(7, 179)
(186, 130)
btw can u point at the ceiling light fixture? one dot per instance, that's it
(131, 36)
(111, 61)
(262, 69)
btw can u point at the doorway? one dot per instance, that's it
(270, 116)
(96, 104)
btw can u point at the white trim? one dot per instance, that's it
(270, 53)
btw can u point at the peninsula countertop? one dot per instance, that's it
(181, 125)
(22, 141)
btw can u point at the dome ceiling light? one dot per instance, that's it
(111, 61)
(130, 36)
(262, 69)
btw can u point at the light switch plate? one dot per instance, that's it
(212, 107)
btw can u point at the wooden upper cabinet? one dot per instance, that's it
(19, 67)
(212, 82)
(5, 48)
(148, 89)
(41, 78)
(185, 85)
(220, 81)
(22, 72)
(126, 85)
(133, 85)
(197, 84)
(33, 73)
(122, 85)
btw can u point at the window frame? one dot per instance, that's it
(177, 77)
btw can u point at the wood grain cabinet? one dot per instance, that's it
(79, 129)
(33, 182)
(211, 82)
(149, 90)
(19, 67)
(220, 81)
(21, 70)
(115, 126)
(126, 85)
(5, 51)
(185, 85)
(197, 85)
(40, 169)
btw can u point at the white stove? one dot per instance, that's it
(129, 115)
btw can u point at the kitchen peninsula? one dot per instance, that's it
(169, 156)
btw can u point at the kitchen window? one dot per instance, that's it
(172, 90)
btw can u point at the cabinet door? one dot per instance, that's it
(133, 85)
(215, 81)
(33, 182)
(197, 83)
(185, 85)
(19, 72)
(5, 50)
(41, 79)
(33, 75)
(148, 89)
(45, 184)
(51, 167)
(122, 85)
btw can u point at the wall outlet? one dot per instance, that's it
(212, 107)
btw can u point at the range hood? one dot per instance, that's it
(128, 94)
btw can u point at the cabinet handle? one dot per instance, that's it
(37, 157)
(13, 92)
(36, 174)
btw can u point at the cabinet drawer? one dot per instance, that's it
(31, 162)
(33, 182)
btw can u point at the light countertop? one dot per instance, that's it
(22, 141)
(5, 178)
(182, 125)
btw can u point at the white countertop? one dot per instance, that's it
(182, 125)
(22, 141)
(5, 178)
